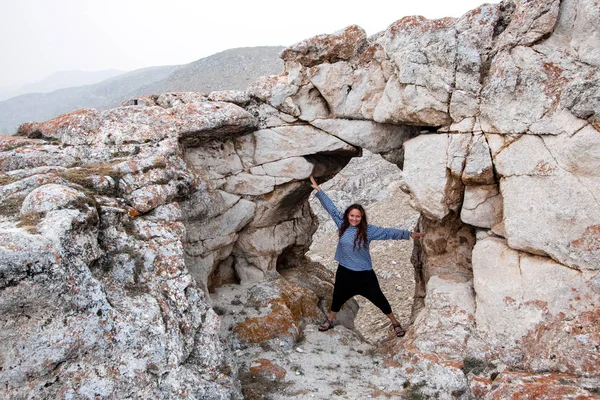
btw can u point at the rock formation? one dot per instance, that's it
(117, 224)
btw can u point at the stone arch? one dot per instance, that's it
(452, 113)
(186, 184)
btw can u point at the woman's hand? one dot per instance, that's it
(416, 235)
(314, 183)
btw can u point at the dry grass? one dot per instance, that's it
(83, 176)
(30, 221)
(5, 180)
(11, 206)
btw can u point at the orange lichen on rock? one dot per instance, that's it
(51, 128)
(293, 305)
(520, 385)
(480, 386)
(589, 243)
(563, 345)
(418, 24)
(278, 323)
(12, 142)
(301, 302)
(338, 46)
(265, 368)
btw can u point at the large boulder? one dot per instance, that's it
(423, 52)
(433, 189)
(546, 184)
(341, 45)
(538, 293)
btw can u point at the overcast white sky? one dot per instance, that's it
(40, 37)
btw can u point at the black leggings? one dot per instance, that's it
(349, 283)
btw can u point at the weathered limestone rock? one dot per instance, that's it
(519, 384)
(445, 323)
(445, 376)
(349, 92)
(289, 305)
(475, 31)
(433, 190)
(482, 206)
(13, 194)
(563, 344)
(80, 123)
(219, 159)
(276, 91)
(377, 138)
(193, 122)
(201, 122)
(458, 148)
(558, 185)
(445, 252)
(478, 164)
(310, 103)
(52, 197)
(267, 145)
(424, 53)
(551, 226)
(501, 108)
(168, 100)
(578, 154)
(339, 46)
(261, 248)
(577, 21)
(205, 235)
(237, 97)
(530, 21)
(533, 290)
(294, 167)
(260, 251)
(250, 184)
(266, 369)
(28, 157)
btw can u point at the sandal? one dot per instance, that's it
(399, 330)
(326, 325)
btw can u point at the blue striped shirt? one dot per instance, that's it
(357, 258)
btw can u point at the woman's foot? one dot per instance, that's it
(399, 330)
(325, 326)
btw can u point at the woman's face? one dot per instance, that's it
(354, 217)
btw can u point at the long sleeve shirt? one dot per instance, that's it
(357, 258)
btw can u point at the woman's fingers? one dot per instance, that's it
(416, 235)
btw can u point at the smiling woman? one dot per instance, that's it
(355, 275)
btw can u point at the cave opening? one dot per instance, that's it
(374, 183)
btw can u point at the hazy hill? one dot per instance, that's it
(60, 80)
(230, 69)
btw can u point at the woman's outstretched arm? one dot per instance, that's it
(379, 233)
(327, 204)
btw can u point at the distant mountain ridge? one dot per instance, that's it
(60, 80)
(230, 69)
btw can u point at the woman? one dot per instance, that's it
(355, 273)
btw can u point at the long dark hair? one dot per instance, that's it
(361, 228)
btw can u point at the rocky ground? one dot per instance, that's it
(314, 365)
(340, 363)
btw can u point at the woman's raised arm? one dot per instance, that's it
(327, 204)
